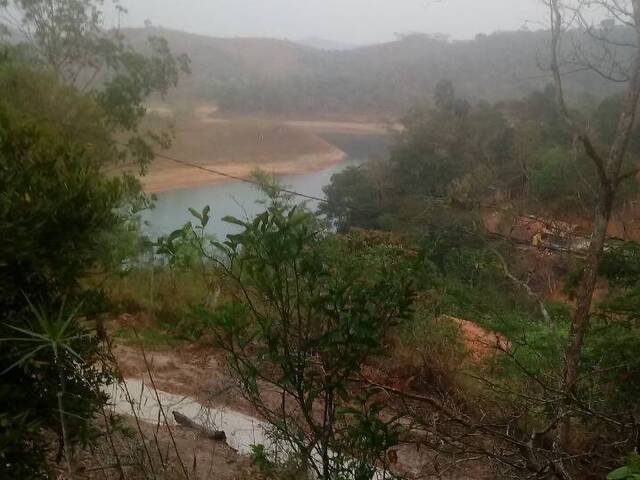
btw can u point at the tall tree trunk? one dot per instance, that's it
(580, 320)
(609, 169)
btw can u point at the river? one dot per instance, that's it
(241, 199)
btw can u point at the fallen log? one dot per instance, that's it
(186, 422)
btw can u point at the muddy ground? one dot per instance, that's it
(198, 373)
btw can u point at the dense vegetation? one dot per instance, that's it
(56, 206)
(61, 217)
(459, 156)
(335, 319)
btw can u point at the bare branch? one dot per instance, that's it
(556, 33)
(524, 286)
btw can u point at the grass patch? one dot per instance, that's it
(152, 338)
(434, 347)
(152, 289)
(169, 297)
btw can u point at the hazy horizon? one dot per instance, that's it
(355, 22)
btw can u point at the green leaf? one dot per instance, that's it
(175, 235)
(233, 221)
(23, 359)
(220, 246)
(621, 473)
(206, 216)
(195, 213)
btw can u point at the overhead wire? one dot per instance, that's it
(274, 187)
(223, 174)
(238, 178)
(220, 173)
(210, 170)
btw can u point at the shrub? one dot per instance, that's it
(312, 312)
(55, 206)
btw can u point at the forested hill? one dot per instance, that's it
(277, 76)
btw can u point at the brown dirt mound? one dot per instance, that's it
(481, 343)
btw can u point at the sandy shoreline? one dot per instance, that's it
(181, 177)
(239, 146)
(319, 126)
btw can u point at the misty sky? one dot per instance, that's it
(350, 21)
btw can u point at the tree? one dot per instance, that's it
(306, 316)
(69, 38)
(70, 110)
(444, 96)
(354, 199)
(55, 207)
(608, 162)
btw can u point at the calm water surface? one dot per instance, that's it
(240, 199)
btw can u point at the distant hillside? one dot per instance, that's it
(222, 61)
(276, 76)
(324, 44)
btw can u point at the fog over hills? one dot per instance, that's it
(281, 76)
(354, 22)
